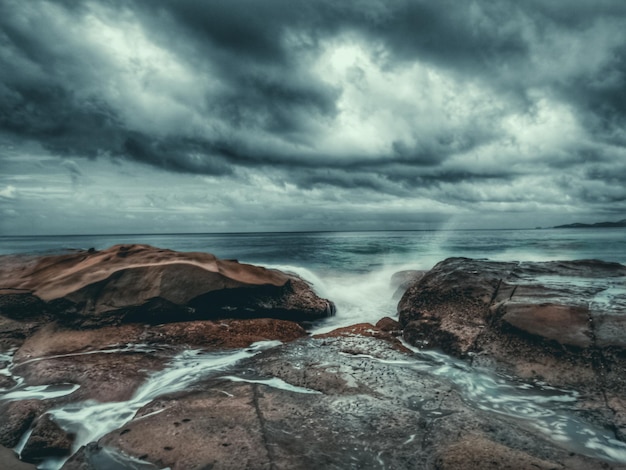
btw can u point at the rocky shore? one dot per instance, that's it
(136, 357)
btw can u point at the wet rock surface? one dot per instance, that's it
(555, 322)
(140, 283)
(348, 399)
(17, 417)
(10, 460)
(47, 439)
(334, 402)
(572, 303)
(540, 382)
(110, 363)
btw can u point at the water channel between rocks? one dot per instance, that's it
(545, 408)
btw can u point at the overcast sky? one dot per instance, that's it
(213, 116)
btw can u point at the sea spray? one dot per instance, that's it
(359, 297)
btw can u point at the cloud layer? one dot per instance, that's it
(371, 114)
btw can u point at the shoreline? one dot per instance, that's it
(519, 320)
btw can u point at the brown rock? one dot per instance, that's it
(10, 461)
(556, 322)
(200, 431)
(6, 382)
(102, 376)
(225, 334)
(46, 440)
(478, 452)
(140, 283)
(95, 457)
(460, 299)
(17, 417)
(569, 325)
(13, 332)
(109, 363)
(448, 307)
(365, 330)
(53, 340)
(312, 404)
(389, 325)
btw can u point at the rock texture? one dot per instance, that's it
(47, 439)
(344, 401)
(84, 332)
(140, 283)
(558, 322)
(109, 363)
(10, 461)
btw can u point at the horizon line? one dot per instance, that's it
(271, 232)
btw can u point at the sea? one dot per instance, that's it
(354, 269)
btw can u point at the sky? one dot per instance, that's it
(161, 116)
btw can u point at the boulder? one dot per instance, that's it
(578, 304)
(140, 283)
(46, 440)
(553, 322)
(17, 417)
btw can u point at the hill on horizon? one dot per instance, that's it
(621, 223)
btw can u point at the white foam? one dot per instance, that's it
(359, 297)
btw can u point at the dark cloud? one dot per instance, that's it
(393, 98)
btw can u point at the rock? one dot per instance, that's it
(140, 283)
(6, 382)
(566, 324)
(10, 461)
(225, 334)
(110, 363)
(102, 376)
(12, 332)
(555, 322)
(53, 340)
(46, 440)
(389, 325)
(17, 417)
(94, 457)
(449, 305)
(334, 402)
(478, 452)
(369, 330)
(553, 302)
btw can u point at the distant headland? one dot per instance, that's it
(621, 223)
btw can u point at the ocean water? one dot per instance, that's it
(354, 269)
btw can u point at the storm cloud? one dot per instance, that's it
(355, 110)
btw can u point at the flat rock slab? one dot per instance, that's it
(335, 402)
(109, 363)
